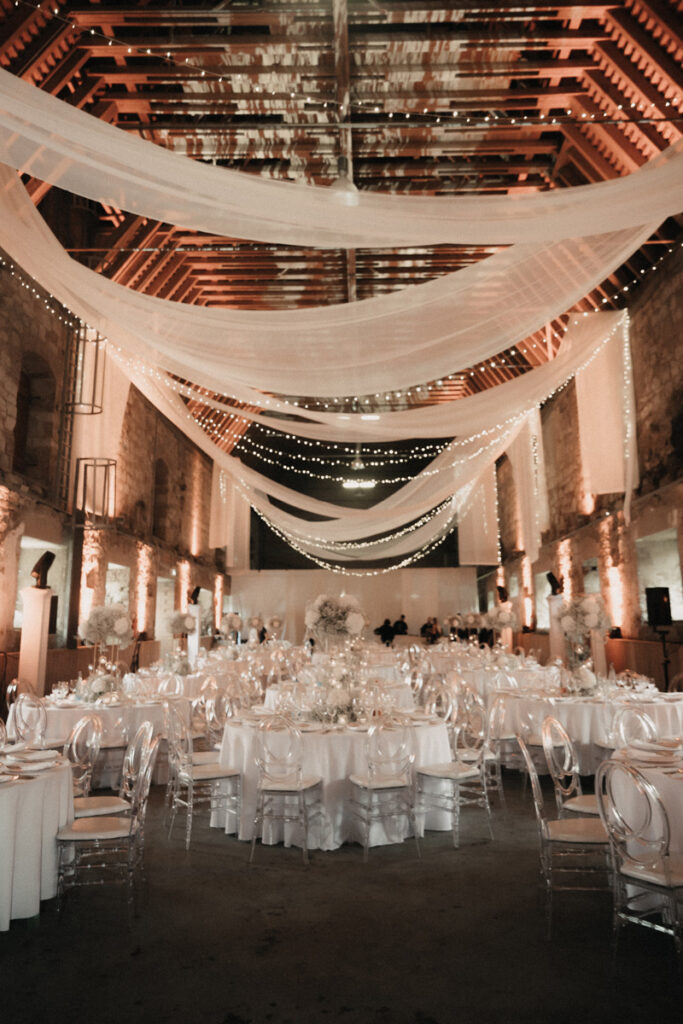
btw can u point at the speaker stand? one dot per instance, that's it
(666, 661)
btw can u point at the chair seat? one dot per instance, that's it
(290, 785)
(379, 781)
(205, 757)
(586, 803)
(577, 830)
(455, 770)
(90, 829)
(93, 806)
(670, 877)
(208, 772)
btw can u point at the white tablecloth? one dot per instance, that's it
(333, 756)
(31, 813)
(586, 719)
(120, 721)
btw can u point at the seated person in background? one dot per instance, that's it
(433, 632)
(400, 626)
(385, 632)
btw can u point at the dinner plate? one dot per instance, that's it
(33, 755)
(653, 758)
(8, 778)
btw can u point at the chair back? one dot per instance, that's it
(218, 710)
(631, 723)
(280, 751)
(389, 749)
(170, 685)
(179, 740)
(30, 718)
(3, 733)
(561, 759)
(134, 759)
(82, 749)
(634, 816)
(439, 700)
(473, 727)
(537, 793)
(143, 782)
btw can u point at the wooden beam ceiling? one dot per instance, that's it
(403, 96)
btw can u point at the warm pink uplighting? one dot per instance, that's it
(142, 584)
(183, 585)
(564, 561)
(91, 554)
(527, 590)
(217, 600)
(615, 596)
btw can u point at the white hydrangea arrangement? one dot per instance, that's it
(335, 616)
(581, 614)
(274, 624)
(109, 624)
(231, 623)
(502, 616)
(472, 620)
(182, 623)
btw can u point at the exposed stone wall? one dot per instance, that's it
(27, 505)
(508, 509)
(657, 348)
(27, 327)
(147, 437)
(584, 527)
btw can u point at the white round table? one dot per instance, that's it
(31, 813)
(333, 756)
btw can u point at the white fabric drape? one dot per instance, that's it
(421, 333)
(605, 400)
(528, 468)
(478, 527)
(58, 143)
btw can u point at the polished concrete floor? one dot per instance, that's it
(457, 936)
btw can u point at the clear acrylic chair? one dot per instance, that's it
(439, 700)
(573, 850)
(82, 749)
(459, 783)
(107, 849)
(3, 733)
(197, 785)
(500, 749)
(133, 759)
(284, 793)
(30, 719)
(170, 685)
(385, 792)
(563, 766)
(648, 878)
(632, 723)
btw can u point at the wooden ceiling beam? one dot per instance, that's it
(627, 29)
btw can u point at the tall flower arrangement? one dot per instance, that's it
(336, 617)
(109, 624)
(182, 623)
(231, 623)
(580, 615)
(502, 616)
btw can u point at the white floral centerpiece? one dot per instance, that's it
(231, 625)
(274, 627)
(472, 621)
(335, 618)
(182, 623)
(580, 615)
(502, 616)
(109, 624)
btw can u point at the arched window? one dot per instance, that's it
(33, 428)
(161, 500)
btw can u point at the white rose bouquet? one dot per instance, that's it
(472, 620)
(182, 623)
(231, 623)
(581, 614)
(503, 617)
(108, 625)
(335, 616)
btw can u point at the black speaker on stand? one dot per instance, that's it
(659, 617)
